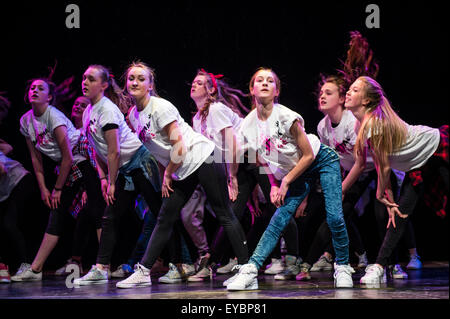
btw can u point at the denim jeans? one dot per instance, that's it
(325, 167)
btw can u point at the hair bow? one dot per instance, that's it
(213, 77)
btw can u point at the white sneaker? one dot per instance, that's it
(172, 276)
(374, 275)
(246, 279)
(343, 276)
(230, 280)
(189, 269)
(26, 274)
(323, 264)
(277, 266)
(140, 278)
(122, 271)
(397, 272)
(228, 267)
(93, 277)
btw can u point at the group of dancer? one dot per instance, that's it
(130, 145)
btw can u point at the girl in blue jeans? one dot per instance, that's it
(275, 136)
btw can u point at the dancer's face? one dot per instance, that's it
(329, 98)
(138, 82)
(198, 87)
(38, 93)
(264, 86)
(92, 85)
(355, 96)
(78, 107)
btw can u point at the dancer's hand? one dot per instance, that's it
(84, 199)
(383, 198)
(55, 198)
(110, 193)
(273, 194)
(104, 187)
(282, 191)
(166, 185)
(392, 212)
(233, 188)
(46, 197)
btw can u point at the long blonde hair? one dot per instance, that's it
(388, 132)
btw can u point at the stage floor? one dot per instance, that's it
(431, 282)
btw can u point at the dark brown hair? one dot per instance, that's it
(223, 93)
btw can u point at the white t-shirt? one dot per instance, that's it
(273, 141)
(421, 143)
(40, 130)
(14, 173)
(104, 112)
(342, 139)
(149, 125)
(219, 117)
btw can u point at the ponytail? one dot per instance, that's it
(359, 60)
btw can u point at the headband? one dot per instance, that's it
(213, 77)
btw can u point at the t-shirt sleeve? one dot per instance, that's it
(165, 114)
(110, 114)
(320, 131)
(55, 120)
(288, 118)
(221, 117)
(24, 126)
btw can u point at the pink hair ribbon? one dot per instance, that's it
(213, 77)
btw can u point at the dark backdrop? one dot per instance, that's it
(299, 40)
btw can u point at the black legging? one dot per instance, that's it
(91, 215)
(409, 197)
(125, 203)
(248, 177)
(212, 177)
(12, 211)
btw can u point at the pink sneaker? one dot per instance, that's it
(4, 274)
